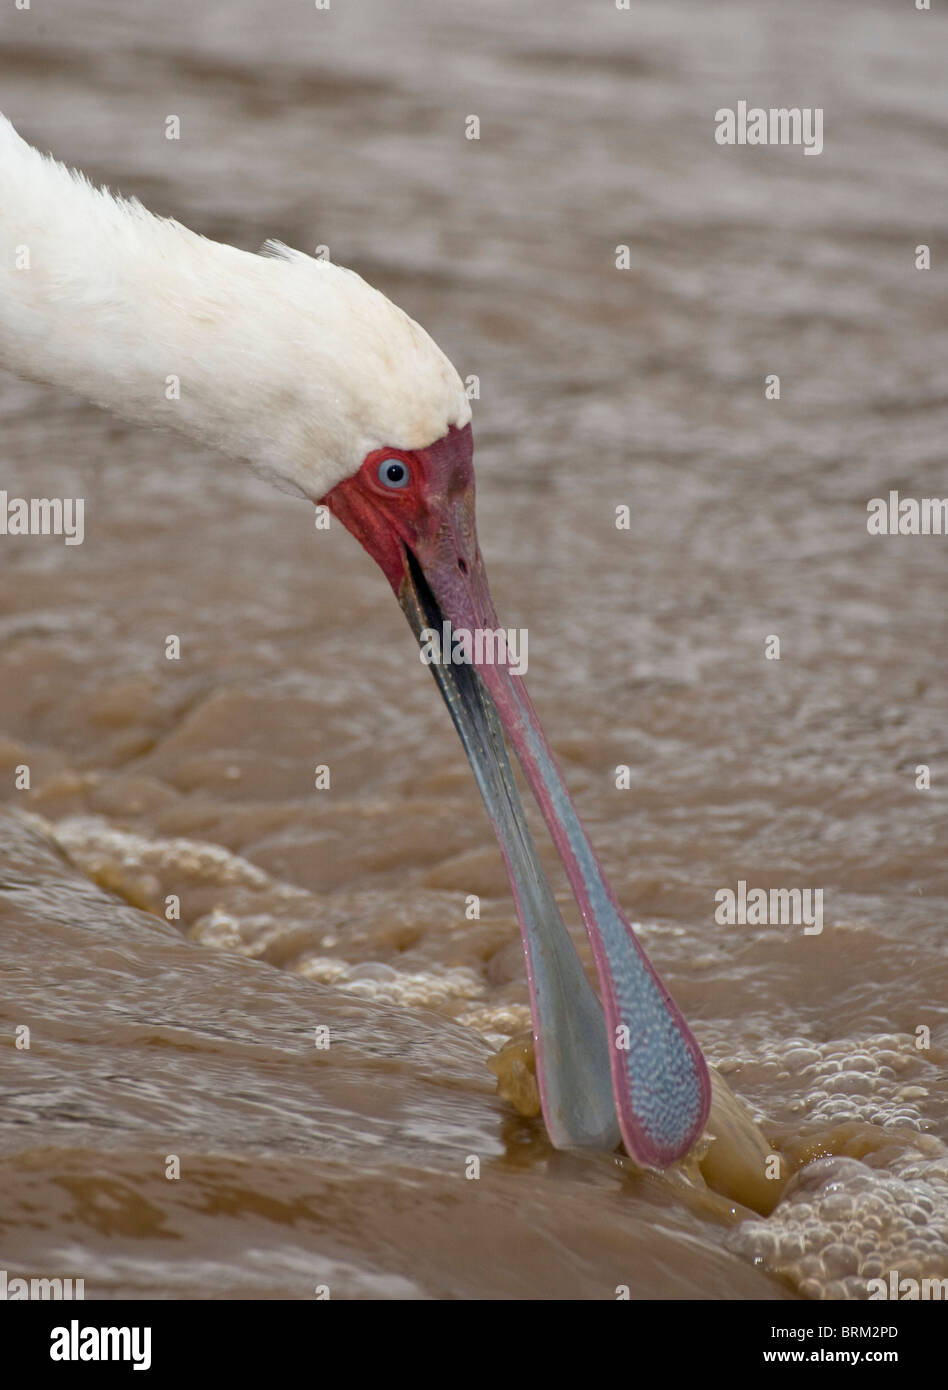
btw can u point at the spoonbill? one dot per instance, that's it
(303, 369)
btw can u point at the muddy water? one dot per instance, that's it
(345, 908)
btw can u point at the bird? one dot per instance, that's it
(301, 368)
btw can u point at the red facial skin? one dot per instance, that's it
(433, 515)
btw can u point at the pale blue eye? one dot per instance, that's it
(394, 473)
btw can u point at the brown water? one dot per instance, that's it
(346, 908)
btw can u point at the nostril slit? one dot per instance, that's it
(462, 565)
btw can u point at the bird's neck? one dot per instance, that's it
(293, 363)
(126, 309)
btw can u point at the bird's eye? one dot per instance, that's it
(394, 473)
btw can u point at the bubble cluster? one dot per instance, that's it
(846, 1220)
(843, 1224)
(385, 985)
(877, 1081)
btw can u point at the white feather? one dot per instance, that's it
(293, 363)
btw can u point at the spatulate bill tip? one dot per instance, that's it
(686, 1103)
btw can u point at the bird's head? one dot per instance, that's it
(412, 508)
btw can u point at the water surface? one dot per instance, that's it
(345, 909)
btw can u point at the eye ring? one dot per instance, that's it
(394, 473)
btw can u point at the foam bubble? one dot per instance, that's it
(846, 1219)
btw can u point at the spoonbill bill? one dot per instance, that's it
(303, 369)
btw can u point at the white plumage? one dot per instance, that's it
(293, 363)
